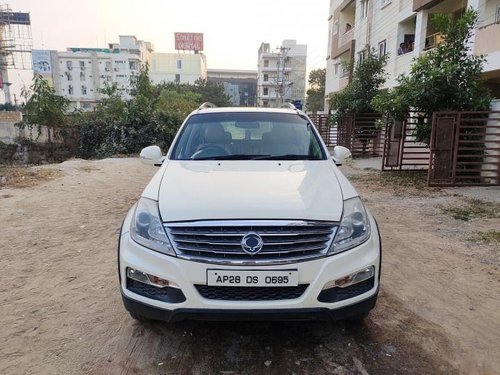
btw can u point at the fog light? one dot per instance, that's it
(351, 279)
(137, 275)
(148, 279)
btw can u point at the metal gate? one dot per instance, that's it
(361, 134)
(465, 149)
(402, 151)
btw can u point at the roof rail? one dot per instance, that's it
(288, 105)
(207, 105)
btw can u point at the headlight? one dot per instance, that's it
(147, 229)
(354, 228)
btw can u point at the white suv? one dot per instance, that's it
(248, 218)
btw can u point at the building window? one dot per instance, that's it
(344, 70)
(266, 77)
(266, 63)
(70, 77)
(361, 57)
(132, 65)
(364, 9)
(179, 64)
(70, 89)
(335, 27)
(84, 90)
(177, 78)
(69, 65)
(382, 46)
(497, 18)
(336, 67)
(265, 91)
(82, 65)
(82, 76)
(108, 66)
(265, 103)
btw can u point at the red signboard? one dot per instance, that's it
(189, 41)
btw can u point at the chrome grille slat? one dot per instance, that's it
(220, 241)
(266, 241)
(237, 249)
(241, 233)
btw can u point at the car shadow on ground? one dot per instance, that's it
(391, 340)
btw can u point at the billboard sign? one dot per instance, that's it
(15, 18)
(189, 41)
(41, 62)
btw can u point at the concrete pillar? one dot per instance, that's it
(477, 5)
(421, 31)
(490, 170)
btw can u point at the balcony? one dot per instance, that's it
(347, 37)
(487, 40)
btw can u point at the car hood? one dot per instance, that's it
(220, 190)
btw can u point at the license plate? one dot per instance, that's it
(252, 278)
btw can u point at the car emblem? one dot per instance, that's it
(252, 243)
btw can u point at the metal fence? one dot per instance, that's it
(361, 134)
(327, 132)
(402, 151)
(465, 149)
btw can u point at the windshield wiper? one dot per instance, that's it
(230, 157)
(286, 157)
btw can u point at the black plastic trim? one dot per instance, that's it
(337, 294)
(167, 294)
(353, 311)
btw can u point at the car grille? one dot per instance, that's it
(243, 293)
(220, 242)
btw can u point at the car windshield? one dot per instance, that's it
(248, 136)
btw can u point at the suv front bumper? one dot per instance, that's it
(187, 274)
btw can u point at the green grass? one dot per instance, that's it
(472, 209)
(490, 237)
(401, 183)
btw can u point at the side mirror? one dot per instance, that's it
(152, 156)
(340, 154)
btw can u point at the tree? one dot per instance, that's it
(43, 108)
(316, 93)
(365, 82)
(446, 78)
(212, 92)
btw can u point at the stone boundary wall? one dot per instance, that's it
(25, 146)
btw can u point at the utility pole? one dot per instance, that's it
(281, 82)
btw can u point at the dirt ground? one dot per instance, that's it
(61, 310)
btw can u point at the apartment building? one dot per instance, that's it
(281, 75)
(80, 74)
(239, 85)
(180, 67)
(403, 29)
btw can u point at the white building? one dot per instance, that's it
(180, 67)
(80, 74)
(239, 85)
(281, 74)
(388, 24)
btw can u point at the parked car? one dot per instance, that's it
(248, 217)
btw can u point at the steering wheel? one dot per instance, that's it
(208, 150)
